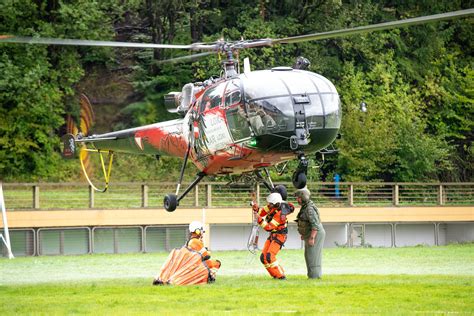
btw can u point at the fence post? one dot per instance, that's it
(116, 239)
(208, 195)
(36, 197)
(440, 195)
(61, 242)
(396, 196)
(144, 195)
(91, 196)
(351, 195)
(196, 195)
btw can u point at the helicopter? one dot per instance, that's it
(240, 123)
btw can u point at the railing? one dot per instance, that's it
(21, 196)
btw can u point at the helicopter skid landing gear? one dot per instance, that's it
(299, 176)
(282, 190)
(171, 201)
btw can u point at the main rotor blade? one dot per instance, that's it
(77, 42)
(375, 27)
(184, 58)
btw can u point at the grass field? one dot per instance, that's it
(427, 280)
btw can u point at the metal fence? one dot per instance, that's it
(24, 196)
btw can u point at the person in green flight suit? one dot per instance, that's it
(311, 231)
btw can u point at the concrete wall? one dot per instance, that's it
(414, 234)
(336, 234)
(455, 232)
(235, 237)
(119, 239)
(378, 235)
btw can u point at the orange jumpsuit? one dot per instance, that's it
(273, 221)
(195, 243)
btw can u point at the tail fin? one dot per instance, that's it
(86, 119)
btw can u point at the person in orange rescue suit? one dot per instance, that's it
(272, 218)
(196, 232)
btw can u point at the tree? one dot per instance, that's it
(37, 81)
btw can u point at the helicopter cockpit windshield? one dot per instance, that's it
(284, 100)
(268, 103)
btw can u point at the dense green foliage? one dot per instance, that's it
(37, 82)
(416, 81)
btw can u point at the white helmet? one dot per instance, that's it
(196, 227)
(274, 198)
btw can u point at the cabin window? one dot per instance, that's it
(232, 93)
(205, 100)
(298, 84)
(314, 112)
(259, 85)
(332, 110)
(271, 115)
(324, 85)
(232, 98)
(237, 122)
(212, 97)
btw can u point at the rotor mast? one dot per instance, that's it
(229, 63)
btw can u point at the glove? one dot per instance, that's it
(255, 207)
(259, 220)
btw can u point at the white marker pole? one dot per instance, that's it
(5, 224)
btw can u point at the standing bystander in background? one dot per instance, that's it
(311, 231)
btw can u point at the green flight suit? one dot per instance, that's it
(308, 219)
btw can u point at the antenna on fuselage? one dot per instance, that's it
(247, 65)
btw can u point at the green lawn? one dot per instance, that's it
(428, 280)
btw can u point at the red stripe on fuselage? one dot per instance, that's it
(166, 141)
